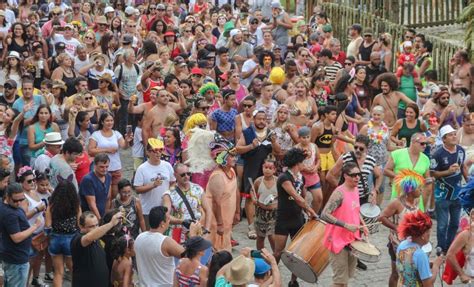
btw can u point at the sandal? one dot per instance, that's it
(252, 234)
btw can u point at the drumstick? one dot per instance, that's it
(253, 193)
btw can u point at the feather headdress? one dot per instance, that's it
(407, 181)
(199, 154)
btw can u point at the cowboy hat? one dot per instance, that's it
(59, 84)
(101, 20)
(96, 56)
(240, 270)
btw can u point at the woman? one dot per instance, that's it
(116, 26)
(413, 263)
(187, 37)
(362, 88)
(190, 272)
(219, 28)
(9, 130)
(57, 106)
(62, 217)
(18, 41)
(166, 63)
(353, 112)
(33, 207)
(4, 29)
(409, 185)
(90, 105)
(223, 66)
(172, 152)
(425, 60)
(385, 44)
(106, 95)
(268, 43)
(345, 139)
(208, 33)
(303, 108)
(304, 61)
(266, 63)
(65, 72)
(11, 69)
(465, 136)
(319, 91)
(218, 260)
(245, 118)
(41, 124)
(89, 9)
(149, 51)
(405, 128)
(89, 41)
(160, 28)
(80, 126)
(24, 9)
(173, 44)
(235, 84)
(109, 141)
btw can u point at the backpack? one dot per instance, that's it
(137, 68)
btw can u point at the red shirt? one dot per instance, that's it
(341, 58)
(83, 166)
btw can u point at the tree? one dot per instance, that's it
(467, 16)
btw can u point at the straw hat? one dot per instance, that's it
(59, 84)
(96, 56)
(53, 138)
(240, 270)
(101, 20)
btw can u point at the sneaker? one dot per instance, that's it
(361, 265)
(37, 282)
(48, 277)
(293, 284)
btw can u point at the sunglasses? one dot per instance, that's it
(56, 14)
(88, 98)
(185, 174)
(161, 9)
(90, 38)
(103, 81)
(359, 148)
(422, 143)
(152, 8)
(348, 64)
(18, 200)
(9, 88)
(187, 31)
(247, 106)
(132, 26)
(30, 181)
(354, 175)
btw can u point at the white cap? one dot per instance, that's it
(108, 9)
(447, 129)
(234, 32)
(407, 44)
(129, 10)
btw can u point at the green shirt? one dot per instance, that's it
(407, 86)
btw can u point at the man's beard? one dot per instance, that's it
(386, 92)
(237, 42)
(444, 104)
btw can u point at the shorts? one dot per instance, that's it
(392, 251)
(240, 160)
(343, 266)
(289, 227)
(60, 244)
(265, 221)
(327, 161)
(314, 186)
(116, 176)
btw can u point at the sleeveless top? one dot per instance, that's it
(32, 204)
(469, 265)
(296, 111)
(310, 179)
(365, 52)
(65, 226)
(397, 218)
(39, 137)
(336, 237)
(188, 280)
(469, 149)
(280, 34)
(14, 46)
(244, 123)
(70, 83)
(406, 132)
(324, 140)
(131, 223)
(147, 92)
(351, 107)
(265, 193)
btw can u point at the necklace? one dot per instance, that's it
(377, 137)
(231, 176)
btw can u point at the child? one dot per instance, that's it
(132, 208)
(122, 266)
(190, 271)
(311, 167)
(137, 148)
(266, 103)
(265, 201)
(46, 86)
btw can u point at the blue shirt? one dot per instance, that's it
(18, 105)
(13, 220)
(91, 185)
(448, 187)
(413, 264)
(225, 120)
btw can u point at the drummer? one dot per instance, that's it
(413, 263)
(408, 184)
(343, 213)
(291, 203)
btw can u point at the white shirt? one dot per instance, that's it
(246, 67)
(109, 142)
(147, 173)
(63, 6)
(155, 268)
(10, 16)
(78, 64)
(71, 44)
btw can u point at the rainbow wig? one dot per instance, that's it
(208, 87)
(193, 121)
(407, 181)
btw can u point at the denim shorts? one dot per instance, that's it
(60, 244)
(314, 186)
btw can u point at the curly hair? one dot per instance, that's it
(390, 79)
(64, 202)
(120, 246)
(208, 87)
(414, 224)
(293, 157)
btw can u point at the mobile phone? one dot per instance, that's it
(256, 254)
(128, 129)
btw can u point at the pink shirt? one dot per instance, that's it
(47, 28)
(335, 237)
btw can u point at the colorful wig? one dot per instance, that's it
(221, 148)
(194, 121)
(407, 181)
(277, 76)
(414, 224)
(208, 87)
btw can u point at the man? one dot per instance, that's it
(16, 235)
(255, 144)
(81, 86)
(356, 39)
(461, 67)
(280, 25)
(155, 252)
(342, 212)
(94, 190)
(329, 65)
(390, 97)
(68, 39)
(256, 34)
(180, 68)
(171, 84)
(367, 166)
(58, 4)
(197, 77)
(127, 75)
(155, 118)
(447, 166)
(9, 95)
(81, 58)
(413, 158)
(62, 166)
(250, 67)
(88, 257)
(174, 201)
(441, 107)
(337, 53)
(239, 51)
(30, 103)
(53, 143)
(153, 178)
(9, 14)
(373, 70)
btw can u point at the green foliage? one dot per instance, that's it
(467, 17)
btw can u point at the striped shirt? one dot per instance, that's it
(331, 70)
(366, 169)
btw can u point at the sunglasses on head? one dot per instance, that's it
(185, 174)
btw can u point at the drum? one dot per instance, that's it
(370, 213)
(365, 251)
(306, 256)
(427, 248)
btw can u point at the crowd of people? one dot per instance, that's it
(226, 110)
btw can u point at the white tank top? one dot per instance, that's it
(155, 268)
(32, 203)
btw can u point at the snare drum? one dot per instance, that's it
(365, 251)
(370, 213)
(306, 256)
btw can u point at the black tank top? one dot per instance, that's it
(23, 50)
(324, 140)
(365, 51)
(70, 83)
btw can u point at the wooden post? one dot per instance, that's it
(395, 8)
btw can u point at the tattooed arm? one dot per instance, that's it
(334, 202)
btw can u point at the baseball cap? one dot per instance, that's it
(202, 64)
(129, 10)
(447, 129)
(108, 9)
(160, 6)
(196, 71)
(276, 4)
(127, 39)
(10, 84)
(179, 61)
(234, 32)
(60, 45)
(327, 28)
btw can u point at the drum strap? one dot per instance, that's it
(362, 179)
(186, 202)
